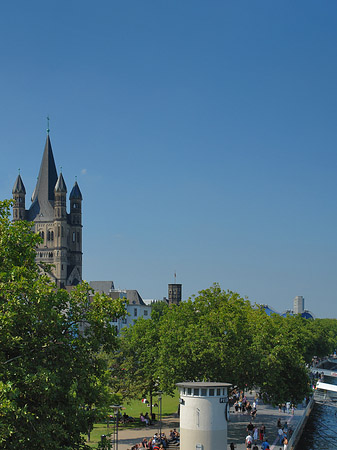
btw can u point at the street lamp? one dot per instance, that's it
(116, 409)
(160, 400)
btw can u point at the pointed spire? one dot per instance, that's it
(60, 184)
(75, 193)
(47, 176)
(43, 196)
(19, 187)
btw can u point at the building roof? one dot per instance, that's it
(19, 187)
(104, 287)
(60, 185)
(43, 196)
(75, 193)
(203, 384)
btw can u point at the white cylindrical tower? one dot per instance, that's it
(204, 413)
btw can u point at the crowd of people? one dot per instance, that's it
(158, 441)
(257, 436)
(242, 405)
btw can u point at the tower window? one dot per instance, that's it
(74, 236)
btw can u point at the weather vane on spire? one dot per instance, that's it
(48, 125)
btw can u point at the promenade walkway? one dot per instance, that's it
(237, 425)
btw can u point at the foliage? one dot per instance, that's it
(52, 380)
(220, 336)
(158, 309)
(207, 338)
(133, 367)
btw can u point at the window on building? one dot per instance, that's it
(145, 312)
(211, 392)
(196, 391)
(218, 391)
(189, 391)
(204, 392)
(135, 312)
(74, 236)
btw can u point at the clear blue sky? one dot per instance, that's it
(202, 133)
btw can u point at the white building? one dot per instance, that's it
(204, 413)
(135, 305)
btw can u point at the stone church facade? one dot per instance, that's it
(60, 231)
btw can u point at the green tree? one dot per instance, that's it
(134, 365)
(51, 376)
(279, 347)
(206, 338)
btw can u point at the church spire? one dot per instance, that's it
(19, 187)
(43, 196)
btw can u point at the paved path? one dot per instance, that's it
(266, 415)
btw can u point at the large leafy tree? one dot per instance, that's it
(133, 366)
(206, 338)
(220, 336)
(51, 377)
(279, 347)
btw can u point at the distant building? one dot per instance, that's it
(298, 304)
(61, 232)
(298, 309)
(174, 293)
(135, 306)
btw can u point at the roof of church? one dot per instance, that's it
(43, 196)
(19, 187)
(60, 184)
(75, 193)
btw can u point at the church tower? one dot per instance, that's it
(61, 232)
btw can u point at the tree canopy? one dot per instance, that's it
(220, 336)
(51, 376)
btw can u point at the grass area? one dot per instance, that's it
(134, 408)
(169, 406)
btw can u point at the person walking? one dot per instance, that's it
(249, 441)
(285, 443)
(255, 434)
(280, 435)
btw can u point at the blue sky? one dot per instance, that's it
(202, 134)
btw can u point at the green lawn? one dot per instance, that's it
(134, 408)
(169, 406)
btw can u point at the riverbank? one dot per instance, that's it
(237, 427)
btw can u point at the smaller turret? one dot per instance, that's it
(75, 198)
(19, 196)
(60, 192)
